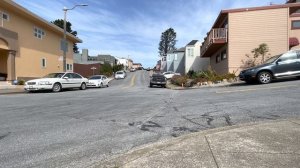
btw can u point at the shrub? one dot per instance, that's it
(229, 76)
(106, 69)
(21, 82)
(179, 80)
(192, 74)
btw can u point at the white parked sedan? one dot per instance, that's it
(98, 81)
(170, 74)
(56, 82)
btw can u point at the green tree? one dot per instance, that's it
(118, 67)
(106, 69)
(262, 50)
(167, 41)
(60, 23)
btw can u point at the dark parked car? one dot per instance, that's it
(158, 80)
(280, 66)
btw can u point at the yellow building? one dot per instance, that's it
(30, 46)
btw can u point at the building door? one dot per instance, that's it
(3, 64)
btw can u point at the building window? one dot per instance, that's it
(69, 67)
(223, 54)
(5, 16)
(190, 52)
(169, 57)
(39, 33)
(44, 63)
(218, 58)
(296, 24)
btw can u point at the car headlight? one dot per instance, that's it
(45, 83)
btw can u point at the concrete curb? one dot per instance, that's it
(141, 156)
(174, 87)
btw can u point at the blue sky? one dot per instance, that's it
(132, 28)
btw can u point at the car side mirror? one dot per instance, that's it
(279, 60)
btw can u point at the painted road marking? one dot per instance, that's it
(132, 82)
(254, 89)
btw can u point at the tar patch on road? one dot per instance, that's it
(149, 124)
(145, 126)
(2, 136)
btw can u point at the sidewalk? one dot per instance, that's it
(11, 89)
(272, 144)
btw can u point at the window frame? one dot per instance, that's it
(69, 67)
(6, 14)
(222, 55)
(44, 63)
(38, 32)
(190, 52)
(218, 58)
(292, 26)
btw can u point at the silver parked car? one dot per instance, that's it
(98, 81)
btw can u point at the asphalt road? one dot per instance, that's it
(79, 128)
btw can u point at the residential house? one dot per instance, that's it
(158, 65)
(163, 63)
(137, 65)
(193, 61)
(186, 59)
(236, 32)
(124, 62)
(176, 61)
(30, 46)
(130, 63)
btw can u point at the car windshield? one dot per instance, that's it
(95, 77)
(272, 59)
(54, 75)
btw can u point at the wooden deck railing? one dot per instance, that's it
(214, 36)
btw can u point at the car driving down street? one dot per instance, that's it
(120, 75)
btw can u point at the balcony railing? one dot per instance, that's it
(214, 36)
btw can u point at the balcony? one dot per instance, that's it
(215, 40)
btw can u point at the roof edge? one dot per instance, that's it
(51, 25)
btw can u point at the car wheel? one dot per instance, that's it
(83, 86)
(56, 87)
(264, 77)
(150, 85)
(107, 85)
